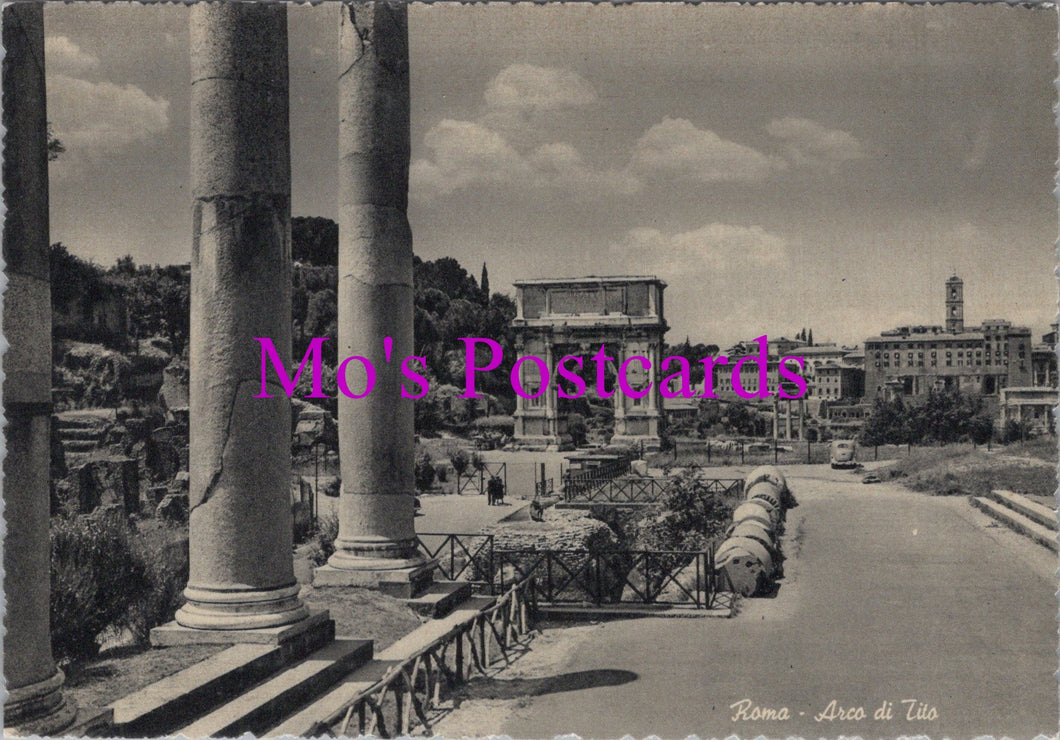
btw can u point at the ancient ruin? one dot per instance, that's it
(558, 317)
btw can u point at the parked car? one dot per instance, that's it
(843, 453)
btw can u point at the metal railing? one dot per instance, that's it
(578, 481)
(467, 557)
(411, 692)
(648, 490)
(578, 576)
(668, 577)
(476, 480)
(544, 488)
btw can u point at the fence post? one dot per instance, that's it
(808, 461)
(774, 450)
(708, 452)
(741, 452)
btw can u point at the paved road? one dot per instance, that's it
(890, 596)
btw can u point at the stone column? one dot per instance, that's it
(376, 433)
(787, 419)
(618, 399)
(802, 418)
(34, 702)
(242, 575)
(776, 417)
(551, 395)
(654, 354)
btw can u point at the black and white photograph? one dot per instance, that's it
(530, 370)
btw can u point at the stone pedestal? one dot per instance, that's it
(377, 534)
(240, 540)
(34, 703)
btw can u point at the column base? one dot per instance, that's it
(651, 442)
(537, 442)
(403, 582)
(230, 609)
(317, 628)
(39, 708)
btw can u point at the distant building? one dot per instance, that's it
(834, 382)
(1031, 407)
(913, 360)
(1043, 361)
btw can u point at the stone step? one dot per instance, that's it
(440, 598)
(1027, 507)
(79, 445)
(94, 434)
(330, 708)
(159, 708)
(267, 703)
(431, 631)
(1018, 522)
(81, 422)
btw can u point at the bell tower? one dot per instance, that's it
(954, 305)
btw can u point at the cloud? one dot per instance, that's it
(677, 148)
(463, 154)
(64, 56)
(561, 166)
(509, 144)
(710, 249)
(808, 142)
(103, 116)
(467, 154)
(529, 88)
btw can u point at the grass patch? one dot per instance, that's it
(363, 613)
(964, 470)
(117, 673)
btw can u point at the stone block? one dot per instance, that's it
(113, 480)
(174, 507)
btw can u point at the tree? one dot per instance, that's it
(484, 284)
(424, 473)
(460, 461)
(314, 240)
(55, 147)
(810, 340)
(577, 429)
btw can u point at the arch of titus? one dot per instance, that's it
(559, 317)
(241, 585)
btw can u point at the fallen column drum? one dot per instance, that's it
(758, 510)
(767, 473)
(745, 562)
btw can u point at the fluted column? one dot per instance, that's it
(376, 433)
(34, 702)
(242, 575)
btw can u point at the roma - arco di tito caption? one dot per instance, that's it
(571, 368)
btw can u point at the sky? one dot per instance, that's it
(780, 167)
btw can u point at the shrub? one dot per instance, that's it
(96, 574)
(424, 472)
(327, 532)
(460, 460)
(167, 568)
